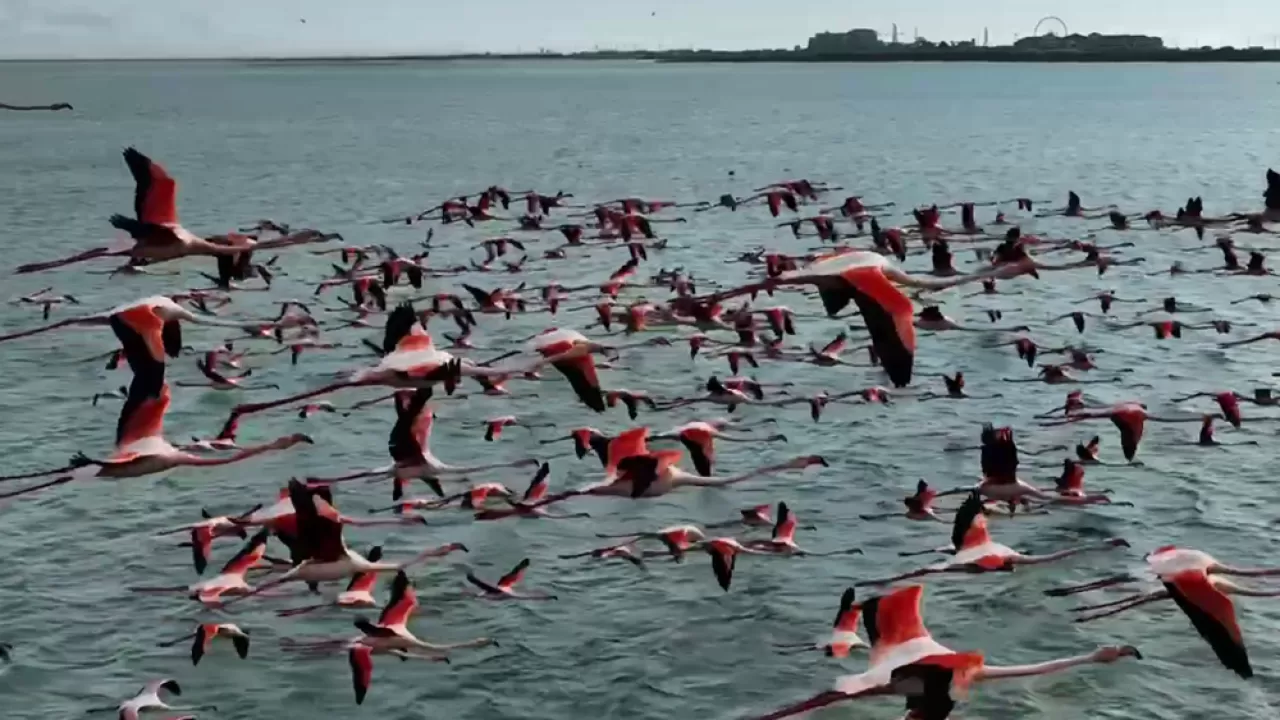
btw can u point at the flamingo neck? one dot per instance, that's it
(993, 672)
(245, 454)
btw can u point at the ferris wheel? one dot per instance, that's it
(1051, 24)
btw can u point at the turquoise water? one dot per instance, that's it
(334, 146)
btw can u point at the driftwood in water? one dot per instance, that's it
(55, 106)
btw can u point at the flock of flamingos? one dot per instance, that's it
(855, 273)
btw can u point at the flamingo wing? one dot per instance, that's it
(404, 444)
(361, 659)
(511, 579)
(319, 534)
(1131, 425)
(582, 377)
(836, 346)
(722, 564)
(364, 582)
(894, 618)
(249, 555)
(141, 334)
(399, 322)
(701, 451)
(538, 486)
(890, 319)
(785, 529)
(484, 585)
(1213, 615)
(155, 199)
(970, 528)
(143, 413)
(404, 601)
(639, 470)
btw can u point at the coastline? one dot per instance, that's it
(908, 55)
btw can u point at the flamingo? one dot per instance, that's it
(907, 661)
(505, 588)
(148, 698)
(678, 539)
(1191, 579)
(358, 594)
(570, 352)
(699, 437)
(229, 581)
(585, 440)
(410, 361)
(203, 534)
(975, 552)
(529, 505)
(843, 638)
(919, 506)
(783, 540)
(327, 555)
(155, 320)
(204, 635)
(1130, 418)
(141, 448)
(625, 551)
(652, 474)
(869, 280)
(156, 234)
(390, 634)
(724, 554)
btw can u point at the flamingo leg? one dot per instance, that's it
(1130, 604)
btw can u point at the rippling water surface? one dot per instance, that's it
(334, 146)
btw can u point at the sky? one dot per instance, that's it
(240, 28)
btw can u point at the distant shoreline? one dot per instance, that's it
(911, 55)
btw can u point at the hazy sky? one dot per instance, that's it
(156, 28)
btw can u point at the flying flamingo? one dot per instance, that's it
(919, 506)
(724, 554)
(906, 660)
(652, 474)
(783, 540)
(391, 634)
(760, 516)
(1191, 579)
(359, 592)
(678, 539)
(844, 631)
(219, 381)
(625, 551)
(203, 534)
(141, 448)
(410, 446)
(585, 440)
(148, 698)
(155, 320)
(327, 555)
(870, 281)
(699, 437)
(204, 635)
(505, 588)
(975, 552)
(529, 505)
(157, 236)
(570, 352)
(1130, 418)
(229, 581)
(412, 361)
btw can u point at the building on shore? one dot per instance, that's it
(856, 40)
(1093, 42)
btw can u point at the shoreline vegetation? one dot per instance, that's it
(1003, 54)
